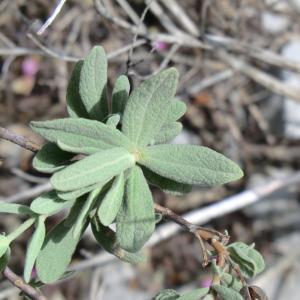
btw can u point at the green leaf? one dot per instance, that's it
(4, 259)
(120, 94)
(136, 219)
(177, 110)
(92, 85)
(83, 214)
(113, 120)
(194, 295)
(110, 205)
(97, 168)
(226, 293)
(145, 112)
(81, 133)
(34, 247)
(48, 204)
(209, 297)
(75, 106)
(107, 239)
(59, 246)
(190, 164)
(231, 281)
(13, 208)
(4, 244)
(72, 195)
(249, 260)
(167, 185)
(50, 159)
(167, 295)
(77, 149)
(168, 132)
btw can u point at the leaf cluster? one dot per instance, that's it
(102, 159)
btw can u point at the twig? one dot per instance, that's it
(19, 140)
(20, 284)
(53, 15)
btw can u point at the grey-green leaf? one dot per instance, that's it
(167, 185)
(48, 204)
(110, 205)
(195, 294)
(226, 293)
(190, 164)
(77, 149)
(51, 158)
(4, 259)
(13, 208)
(34, 247)
(92, 85)
(168, 132)
(177, 110)
(249, 260)
(136, 219)
(120, 94)
(87, 207)
(167, 295)
(59, 246)
(75, 106)
(99, 167)
(113, 120)
(81, 133)
(145, 112)
(107, 239)
(4, 244)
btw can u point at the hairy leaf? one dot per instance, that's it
(177, 110)
(34, 247)
(113, 120)
(51, 158)
(92, 85)
(59, 247)
(136, 219)
(48, 204)
(226, 293)
(231, 281)
(145, 112)
(167, 295)
(168, 132)
(83, 214)
(75, 106)
(13, 208)
(249, 260)
(195, 294)
(167, 185)
(190, 164)
(120, 94)
(77, 149)
(107, 239)
(81, 133)
(4, 244)
(110, 205)
(97, 168)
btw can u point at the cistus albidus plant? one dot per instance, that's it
(102, 159)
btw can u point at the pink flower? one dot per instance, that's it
(30, 66)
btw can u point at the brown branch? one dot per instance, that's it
(19, 140)
(20, 284)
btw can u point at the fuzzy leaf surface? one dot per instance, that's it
(48, 204)
(177, 110)
(4, 244)
(145, 112)
(190, 164)
(13, 208)
(75, 106)
(195, 294)
(59, 247)
(167, 295)
(113, 120)
(34, 247)
(77, 149)
(226, 293)
(136, 219)
(50, 158)
(92, 85)
(81, 133)
(120, 94)
(4, 259)
(111, 203)
(97, 168)
(169, 186)
(168, 132)
(107, 239)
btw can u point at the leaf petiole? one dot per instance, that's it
(23, 227)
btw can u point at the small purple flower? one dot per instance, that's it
(30, 66)
(160, 46)
(205, 282)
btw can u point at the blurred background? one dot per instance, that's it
(239, 65)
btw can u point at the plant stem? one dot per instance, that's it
(23, 227)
